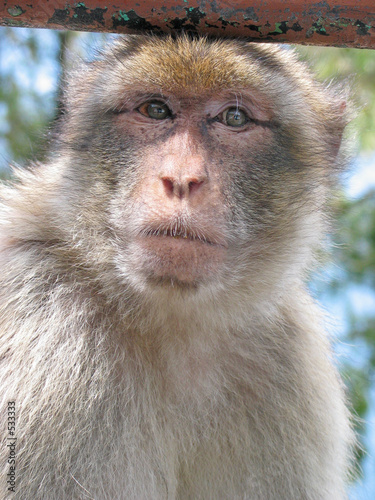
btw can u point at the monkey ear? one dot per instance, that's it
(337, 126)
(341, 116)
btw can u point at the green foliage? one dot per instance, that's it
(32, 66)
(355, 250)
(357, 68)
(353, 286)
(24, 109)
(355, 243)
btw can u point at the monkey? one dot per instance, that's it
(158, 339)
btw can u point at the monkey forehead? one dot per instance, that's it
(188, 68)
(186, 65)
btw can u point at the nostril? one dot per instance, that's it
(194, 186)
(168, 185)
(181, 188)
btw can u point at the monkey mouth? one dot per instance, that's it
(179, 253)
(183, 232)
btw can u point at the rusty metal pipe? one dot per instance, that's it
(349, 23)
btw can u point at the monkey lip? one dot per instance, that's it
(180, 253)
(184, 233)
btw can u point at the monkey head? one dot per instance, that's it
(202, 163)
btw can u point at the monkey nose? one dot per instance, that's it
(183, 187)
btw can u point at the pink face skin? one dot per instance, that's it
(180, 223)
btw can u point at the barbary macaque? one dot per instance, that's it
(157, 336)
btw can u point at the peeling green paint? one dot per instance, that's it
(282, 27)
(326, 25)
(81, 16)
(15, 11)
(277, 28)
(131, 20)
(16, 24)
(317, 27)
(122, 16)
(362, 28)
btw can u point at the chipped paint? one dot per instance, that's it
(123, 15)
(347, 23)
(132, 21)
(15, 11)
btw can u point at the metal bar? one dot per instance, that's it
(348, 23)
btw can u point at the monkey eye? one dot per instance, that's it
(234, 117)
(155, 109)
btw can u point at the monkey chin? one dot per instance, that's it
(178, 261)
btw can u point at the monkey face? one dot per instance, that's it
(214, 156)
(182, 224)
